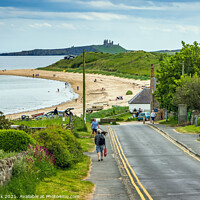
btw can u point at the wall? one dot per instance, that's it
(144, 107)
(6, 167)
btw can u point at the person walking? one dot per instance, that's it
(94, 126)
(55, 112)
(100, 144)
(153, 115)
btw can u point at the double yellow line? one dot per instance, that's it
(142, 192)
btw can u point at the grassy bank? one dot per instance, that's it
(70, 182)
(134, 65)
(192, 129)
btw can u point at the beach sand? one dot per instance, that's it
(113, 86)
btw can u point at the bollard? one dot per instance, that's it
(144, 120)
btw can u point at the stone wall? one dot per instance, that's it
(6, 167)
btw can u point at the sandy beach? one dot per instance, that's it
(113, 87)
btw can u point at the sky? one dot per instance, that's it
(134, 24)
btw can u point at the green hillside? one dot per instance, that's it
(109, 48)
(135, 64)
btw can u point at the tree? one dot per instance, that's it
(170, 72)
(188, 92)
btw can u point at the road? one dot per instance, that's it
(164, 170)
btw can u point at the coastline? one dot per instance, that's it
(114, 86)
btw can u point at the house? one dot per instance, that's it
(141, 100)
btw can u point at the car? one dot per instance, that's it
(49, 115)
(144, 114)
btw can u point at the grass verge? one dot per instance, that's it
(170, 122)
(68, 184)
(192, 129)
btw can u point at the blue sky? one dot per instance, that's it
(134, 24)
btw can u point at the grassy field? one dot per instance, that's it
(41, 122)
(106, 113)
(135, 64)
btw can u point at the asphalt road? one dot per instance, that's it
(165, 170)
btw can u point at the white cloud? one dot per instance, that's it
(67, 26)
(188, 29)
(40, 25)
(159, 6)
(155, 28)
(1, 23)
(20, 13)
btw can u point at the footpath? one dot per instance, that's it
(106, 176)
(189, 141)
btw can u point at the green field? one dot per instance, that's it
(134, 64)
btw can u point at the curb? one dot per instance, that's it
(178, 142)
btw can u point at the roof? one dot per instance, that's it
(143, 97)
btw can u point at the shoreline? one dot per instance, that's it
(114, 86)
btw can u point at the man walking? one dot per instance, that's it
(153, 115)
(100, 143)
(94, 126)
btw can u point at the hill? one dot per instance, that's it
(169, 52)
(110, 48)
(135, 64)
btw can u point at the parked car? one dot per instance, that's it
(144, 114)
(49, 115)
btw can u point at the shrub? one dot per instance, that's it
(129, 92)
(6, 154)
(14, 140)
(41, 161)
(4, 123)
(62, 143)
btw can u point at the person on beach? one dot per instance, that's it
(94, 126)
(55, 112)
(153, 115)
(100, 144)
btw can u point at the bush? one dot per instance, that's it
(129, 92)
(14, 140)
(4, 123)
(6, 154)
(62, 143)
(41, 161)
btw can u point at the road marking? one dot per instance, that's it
(178, 145)
(126, 163)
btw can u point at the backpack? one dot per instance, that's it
(101, 140)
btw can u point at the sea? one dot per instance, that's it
(19, 94)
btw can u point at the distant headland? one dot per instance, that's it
(108, 46)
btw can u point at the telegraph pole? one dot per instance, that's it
(84, 114)
(152, 88)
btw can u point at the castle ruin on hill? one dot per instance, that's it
(107, 42)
